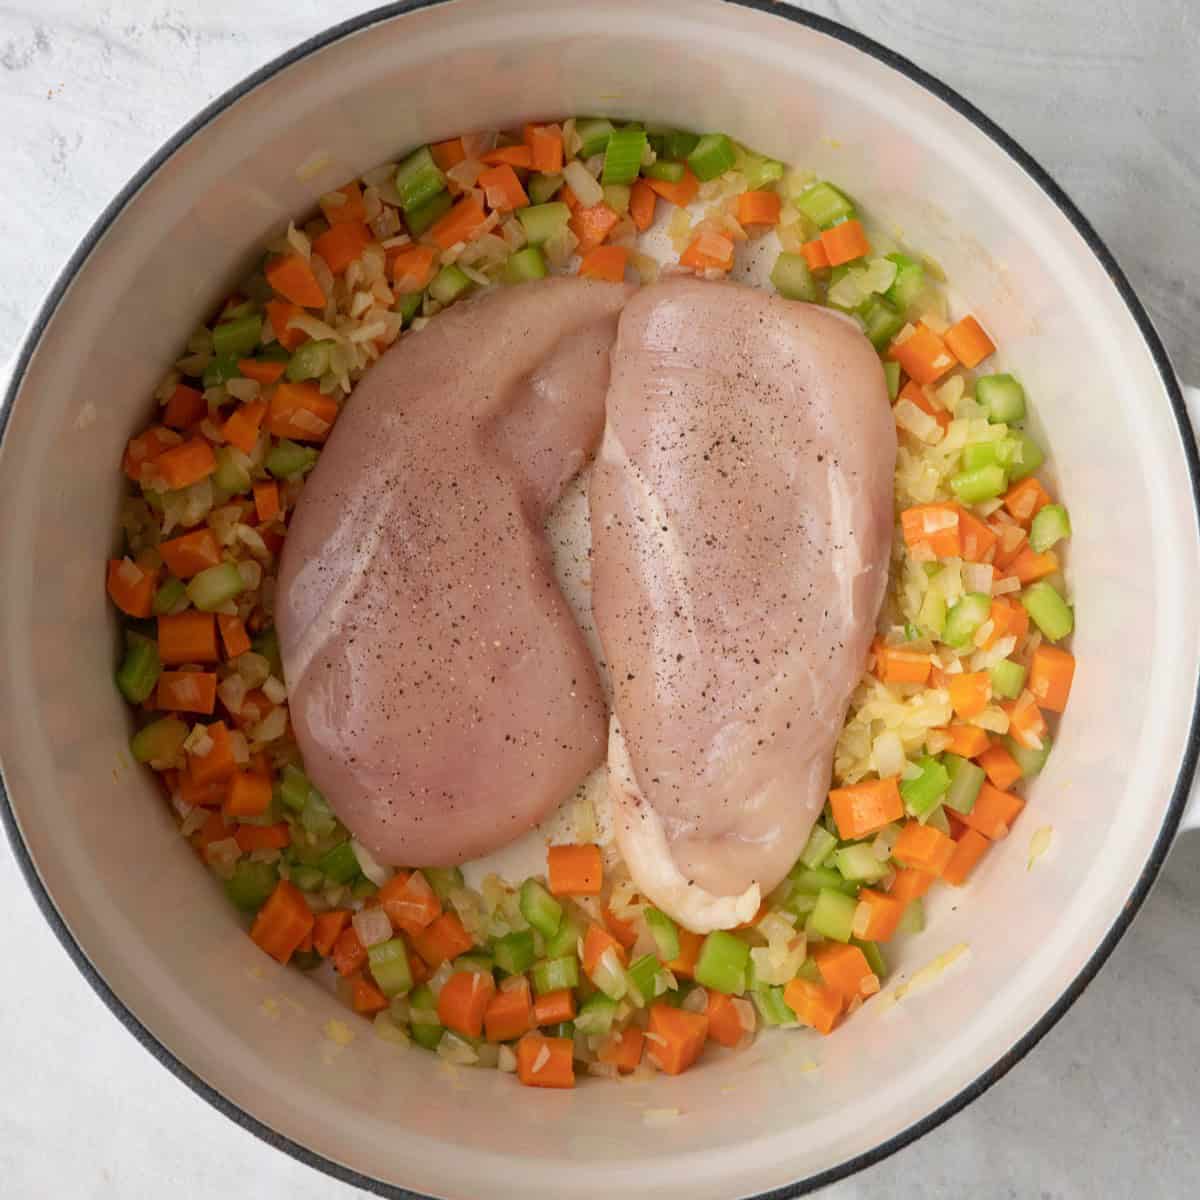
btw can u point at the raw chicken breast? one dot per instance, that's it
(741, 510)
(440, 691)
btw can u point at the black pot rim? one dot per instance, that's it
(1188, 443)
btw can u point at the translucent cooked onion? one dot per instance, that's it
(373, 926)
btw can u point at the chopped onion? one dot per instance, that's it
(506, 1060)
(887, 754)
(274, 690)
(272, 726)
(695, 1001)
(222, 856)
(253, 668)
(372, 926)
(583, 183)
(460, 1052)
(374, 871)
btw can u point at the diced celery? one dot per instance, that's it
(233, 312)
(288, 460)
(818, 879)
(409, 305)
(594, 133)
(984, 483)
(515, 951)
(293, 787)
(543, 187)
(1030, 761)
(665, 933)
(564, 1029)
(678, 144)
(541, 222)
(988, 454)
(881, 321)
(250, 884)
(810, 971)
(169, 594)
(722, 963)
(833, 916)
(267, 644)
(340, 864)
(772, 1007)
(443, 880)
(966, 778)
(362, 888)
(317, 817)
(540, 908)
(309, 360)
(913, 920)
(909, 281)
(424, 1026)
(932, 616)
(873, 955)
(712, 155)
(668, 172)
(551, 974)
(761, 172)
(139, 671)
(1008, 679)
(1028, 458)
(623, 155)
(792, 278)
(891, 372)
(596, 1014)
(389, 967)
(238, 338)
(1050, 612)
(1050, 526)
(642, 973)
(965, 618)
(418, 178)
(307, 879)
(821, 843)
(214, 586)
(221, 369)
(477, 961)
(800, 903)
(159, 741)
(449, 283)
(274, 352)
(1002, 396)
(421, 216)
(565, 939)
(230, 476)
(924, 792)
(859, 863)
(938, 820)
(824, 205)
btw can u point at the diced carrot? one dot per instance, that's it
(968, 342)
(1008, 620)
(187, 463)
(449, 153)
(567, 195)
(352, 209)
(349, 954)
(592, 225)
(242, 425)
(410, 903)
(894, 664)
(936, 525)
(262, 371)
(968, 850)
(1025, 721)
(187, 691)
(340, 245)
(680, 193)
(545, 144)
(130, 587)
(865, 808)
(554, 1007)
(143, 450)
(327, 928)
(605, 262)
(676, 1037)
(463, 1000)
(301, 411)
(689, 952)
(442, 939)
(923, 847)
(910, 884)
(203, 795)
(977, 538)
(546, 1062)
(970, 693)
(815, 1004)
(884, 910)
(502, 189)
(575, 870)
(365, 998)
(213, 830)
(187, 637)
(255, 708)
(994, 812)
(1002, 769)
(185, 407)
(263, 837)
(1010, 541)
(513, 156)
(845, 968)
(623, 1050)
(1029, 567)
(279, 313)
(708, 252)
(624, 931)
(509, 1013)
(266, 500)
(292, 277)
(272, 539)
(641, 204)
(915, 394)
(845, 242)
(758, 208)
(249, 794)
(283, 922)
(595, 942)
(724, 1024)
(1050, 674)
(815, 255)
(969, 741)
(234, 637)
(192, 553)
(1026, 499)
(218, 763)
(412, 267)
(460, 224)
(923, 355)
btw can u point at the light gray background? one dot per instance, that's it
(1103, 93)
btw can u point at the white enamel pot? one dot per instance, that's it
(154, 934)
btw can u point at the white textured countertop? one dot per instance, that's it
(1102, 92)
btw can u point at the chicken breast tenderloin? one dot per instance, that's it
(440, 691)
(741, 511)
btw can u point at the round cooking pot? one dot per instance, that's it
(153, 932)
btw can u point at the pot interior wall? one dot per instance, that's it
(158, 929)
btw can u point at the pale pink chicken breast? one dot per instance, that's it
(741, 510)
(440, 691)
